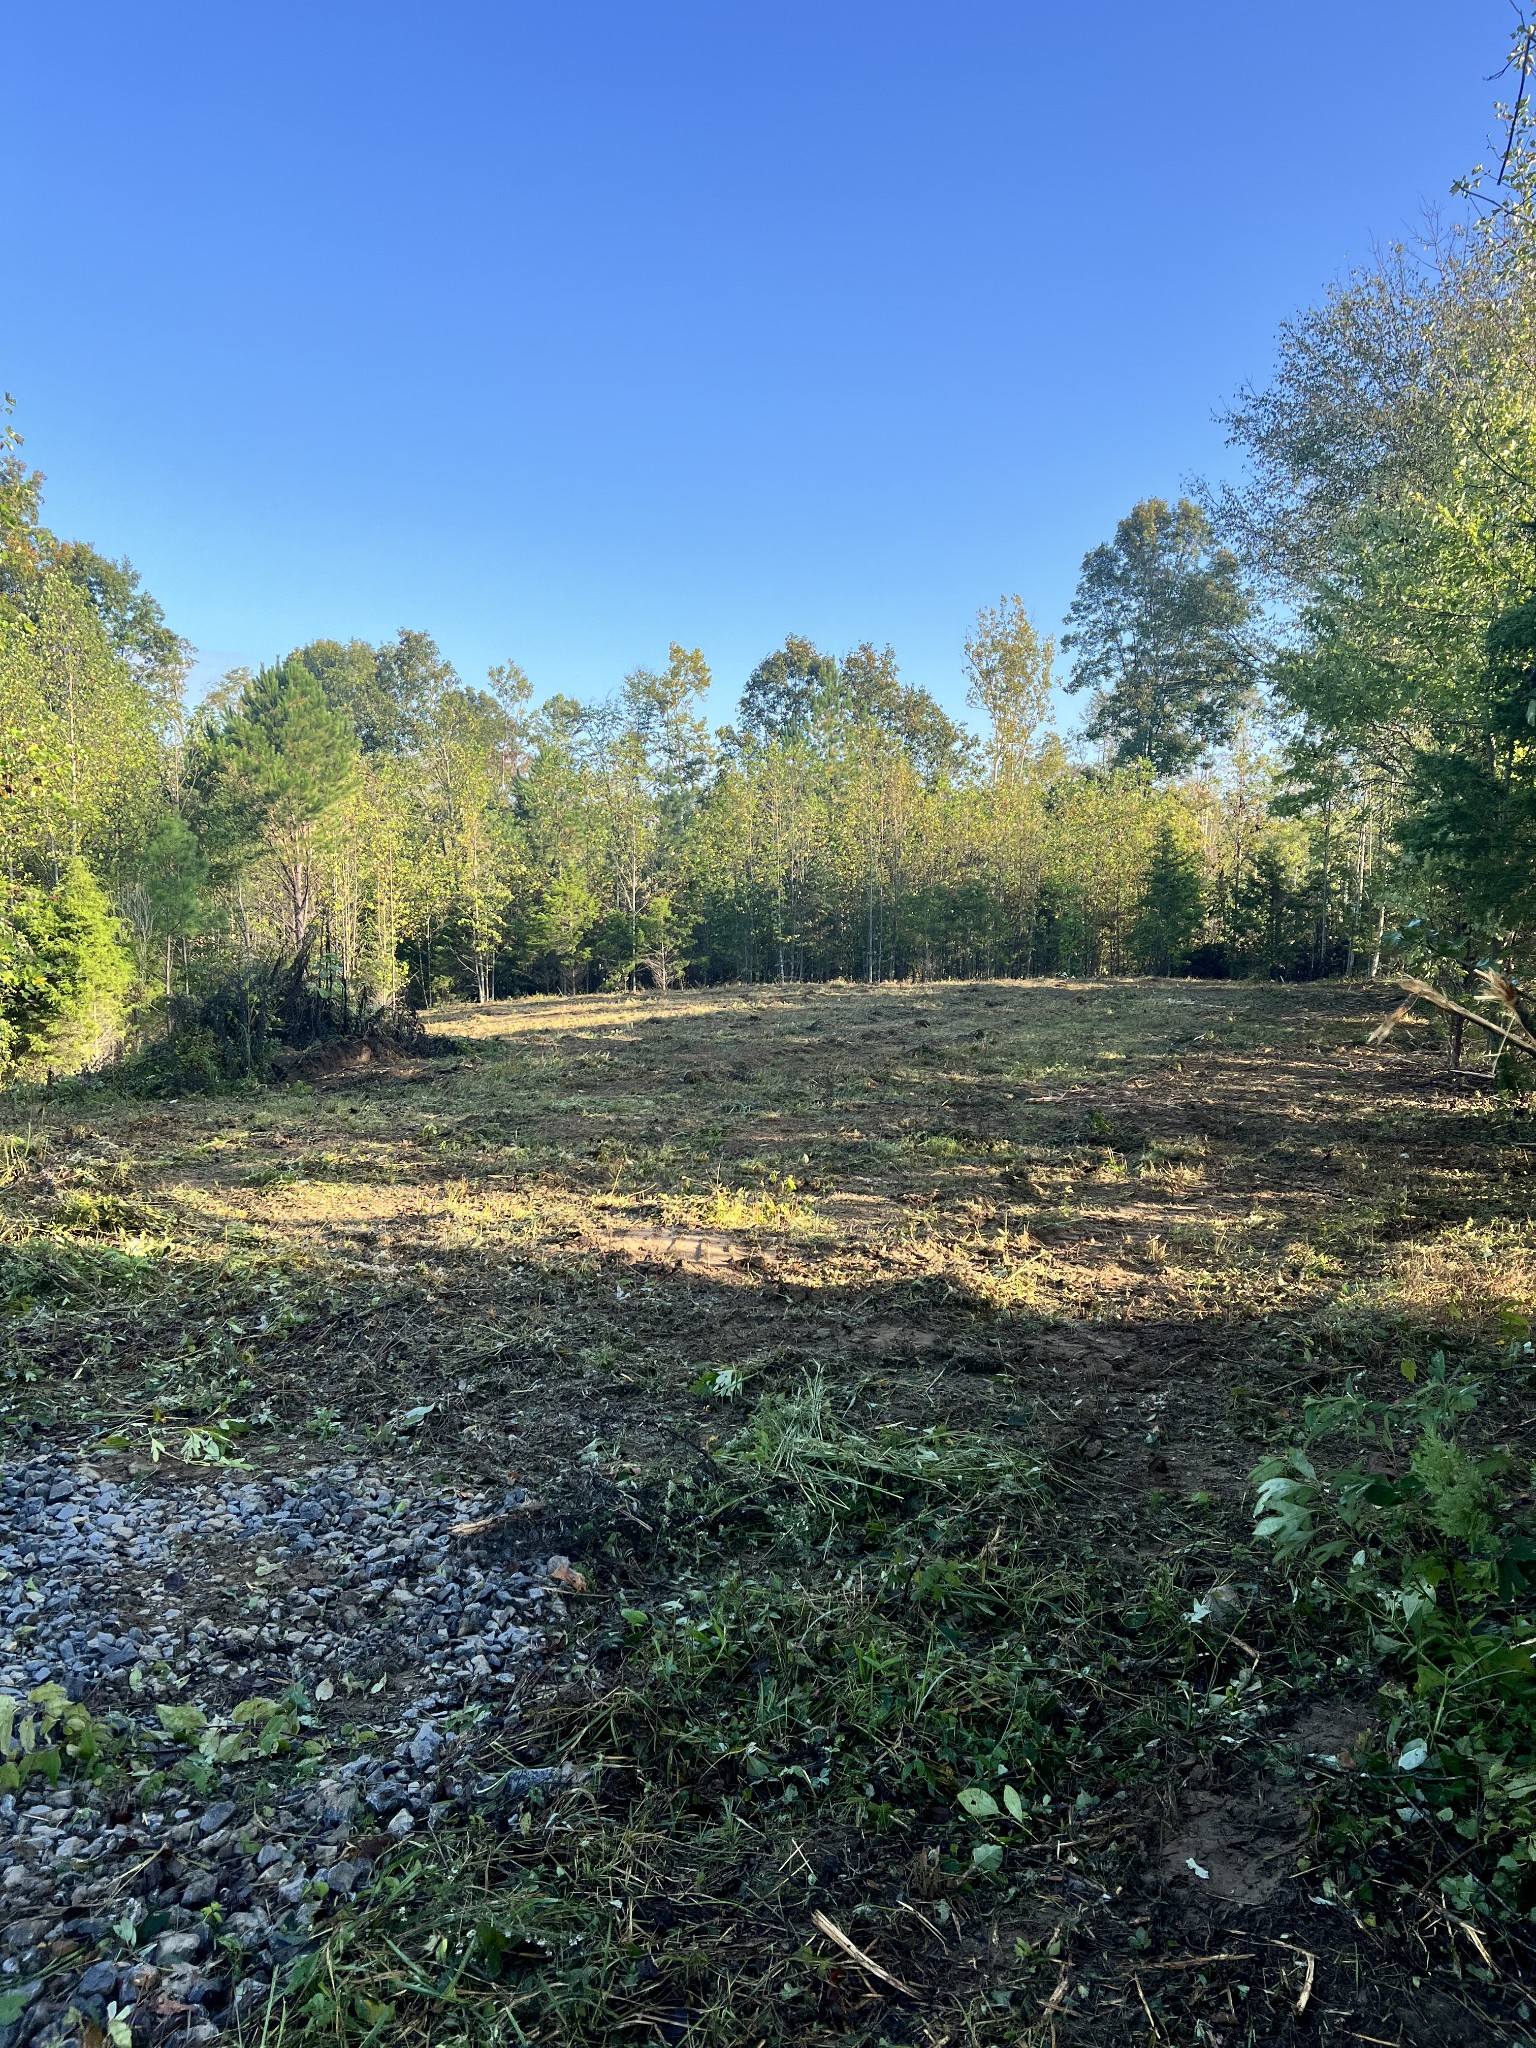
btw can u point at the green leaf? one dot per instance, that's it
(182, 1720)
(254, 1709)
(1013, 1802)
(988, 1857)
(980, 1805)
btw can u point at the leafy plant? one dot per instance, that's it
(47, 1733)
(1427, 1560)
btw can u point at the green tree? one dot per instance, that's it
(1009, 668)
(166, 902)
(1172, 904)
(1159, 631)
(276, 769)
(63, 971)
(784, 691)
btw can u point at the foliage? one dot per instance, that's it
(63, 971)
(1424, 1553)
(1158, 632)
(1171, 905)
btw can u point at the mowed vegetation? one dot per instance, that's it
(894, 1365)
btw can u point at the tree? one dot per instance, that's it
(282, 761)
(1159, 631)
(784, 690)
(868, 689)
(167, 901)
(412, 677)
(1171, 904)
(1390, 499)
(63, 971)
(1009, 667)
(348, 675)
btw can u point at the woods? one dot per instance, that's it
(1307, 747)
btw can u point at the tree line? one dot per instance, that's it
(1309, 742)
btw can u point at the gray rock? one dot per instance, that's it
(98, 1981)
(182, 1945)
(218, 1816)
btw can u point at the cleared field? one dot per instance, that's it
(854, 1393)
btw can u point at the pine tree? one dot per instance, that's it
(1171, 905)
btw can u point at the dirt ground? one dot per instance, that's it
(1064, 1260)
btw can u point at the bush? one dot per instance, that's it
(1211, 962)
(251, 1025)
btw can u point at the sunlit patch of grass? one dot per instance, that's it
(780, 1206)
(20, 1151)
(95, 1212)
(1472, 1273)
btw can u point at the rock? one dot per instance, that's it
(183, 1945)
(99, 1981)
(426, 1746)
(347, 1581)
(190, 1986)
(248, 1929)
(249, 1993)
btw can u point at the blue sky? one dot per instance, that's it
(563, 331)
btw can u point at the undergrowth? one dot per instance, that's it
(1419, 1555)
(870, 1663)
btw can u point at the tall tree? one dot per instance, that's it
(784, 690)
(1158, 630)
(1010, 672)
(276, 769)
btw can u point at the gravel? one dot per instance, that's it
(202, 1586)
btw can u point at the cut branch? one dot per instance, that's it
(1514, 1033)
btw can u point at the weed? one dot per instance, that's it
(1430, 1567)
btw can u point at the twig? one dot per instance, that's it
(1311, 1961)
(1226, 1955)
(1521, 59)
(1426, 992)
(1054, 2002)
(855, 1954)
(1439, 1912)
(1152, 2023)
(527, 1507)
(1306, 1989)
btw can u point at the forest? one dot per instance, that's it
(1308, 744)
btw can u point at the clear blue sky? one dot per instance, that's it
(564, 330)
